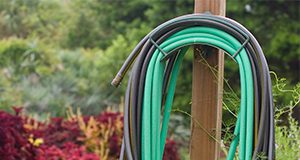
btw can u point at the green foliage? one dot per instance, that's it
(98, 27)
(49, 80)
(20, 60)
(287, 130)
(161, 11)
(283, 96)
(31, 18)
(75, 83)
(100, 24)
(288, 140)
(25, 57)
(276, 26)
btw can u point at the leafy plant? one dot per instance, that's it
(288, 140)
(78, 137)
(13, 138)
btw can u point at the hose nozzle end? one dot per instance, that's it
(117, 80)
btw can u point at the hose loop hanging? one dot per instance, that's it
(155, 65)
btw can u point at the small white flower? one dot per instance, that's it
(248, 8)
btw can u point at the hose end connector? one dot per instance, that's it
(117, 80)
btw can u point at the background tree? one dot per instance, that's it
(79, 45)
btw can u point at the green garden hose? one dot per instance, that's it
(157, 62)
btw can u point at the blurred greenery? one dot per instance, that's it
(63, 53)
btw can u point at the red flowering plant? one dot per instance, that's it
(58, 132)
(75, 138)
(171, 150)
(14, 142)
(69, 151)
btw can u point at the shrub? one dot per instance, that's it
(14, 142)
(76, 138)
(288, 140)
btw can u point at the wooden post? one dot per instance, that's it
(207, 93)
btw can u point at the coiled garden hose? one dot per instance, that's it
(156, 62)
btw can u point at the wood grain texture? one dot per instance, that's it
(207, 92)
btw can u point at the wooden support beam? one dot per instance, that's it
(207, 92)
